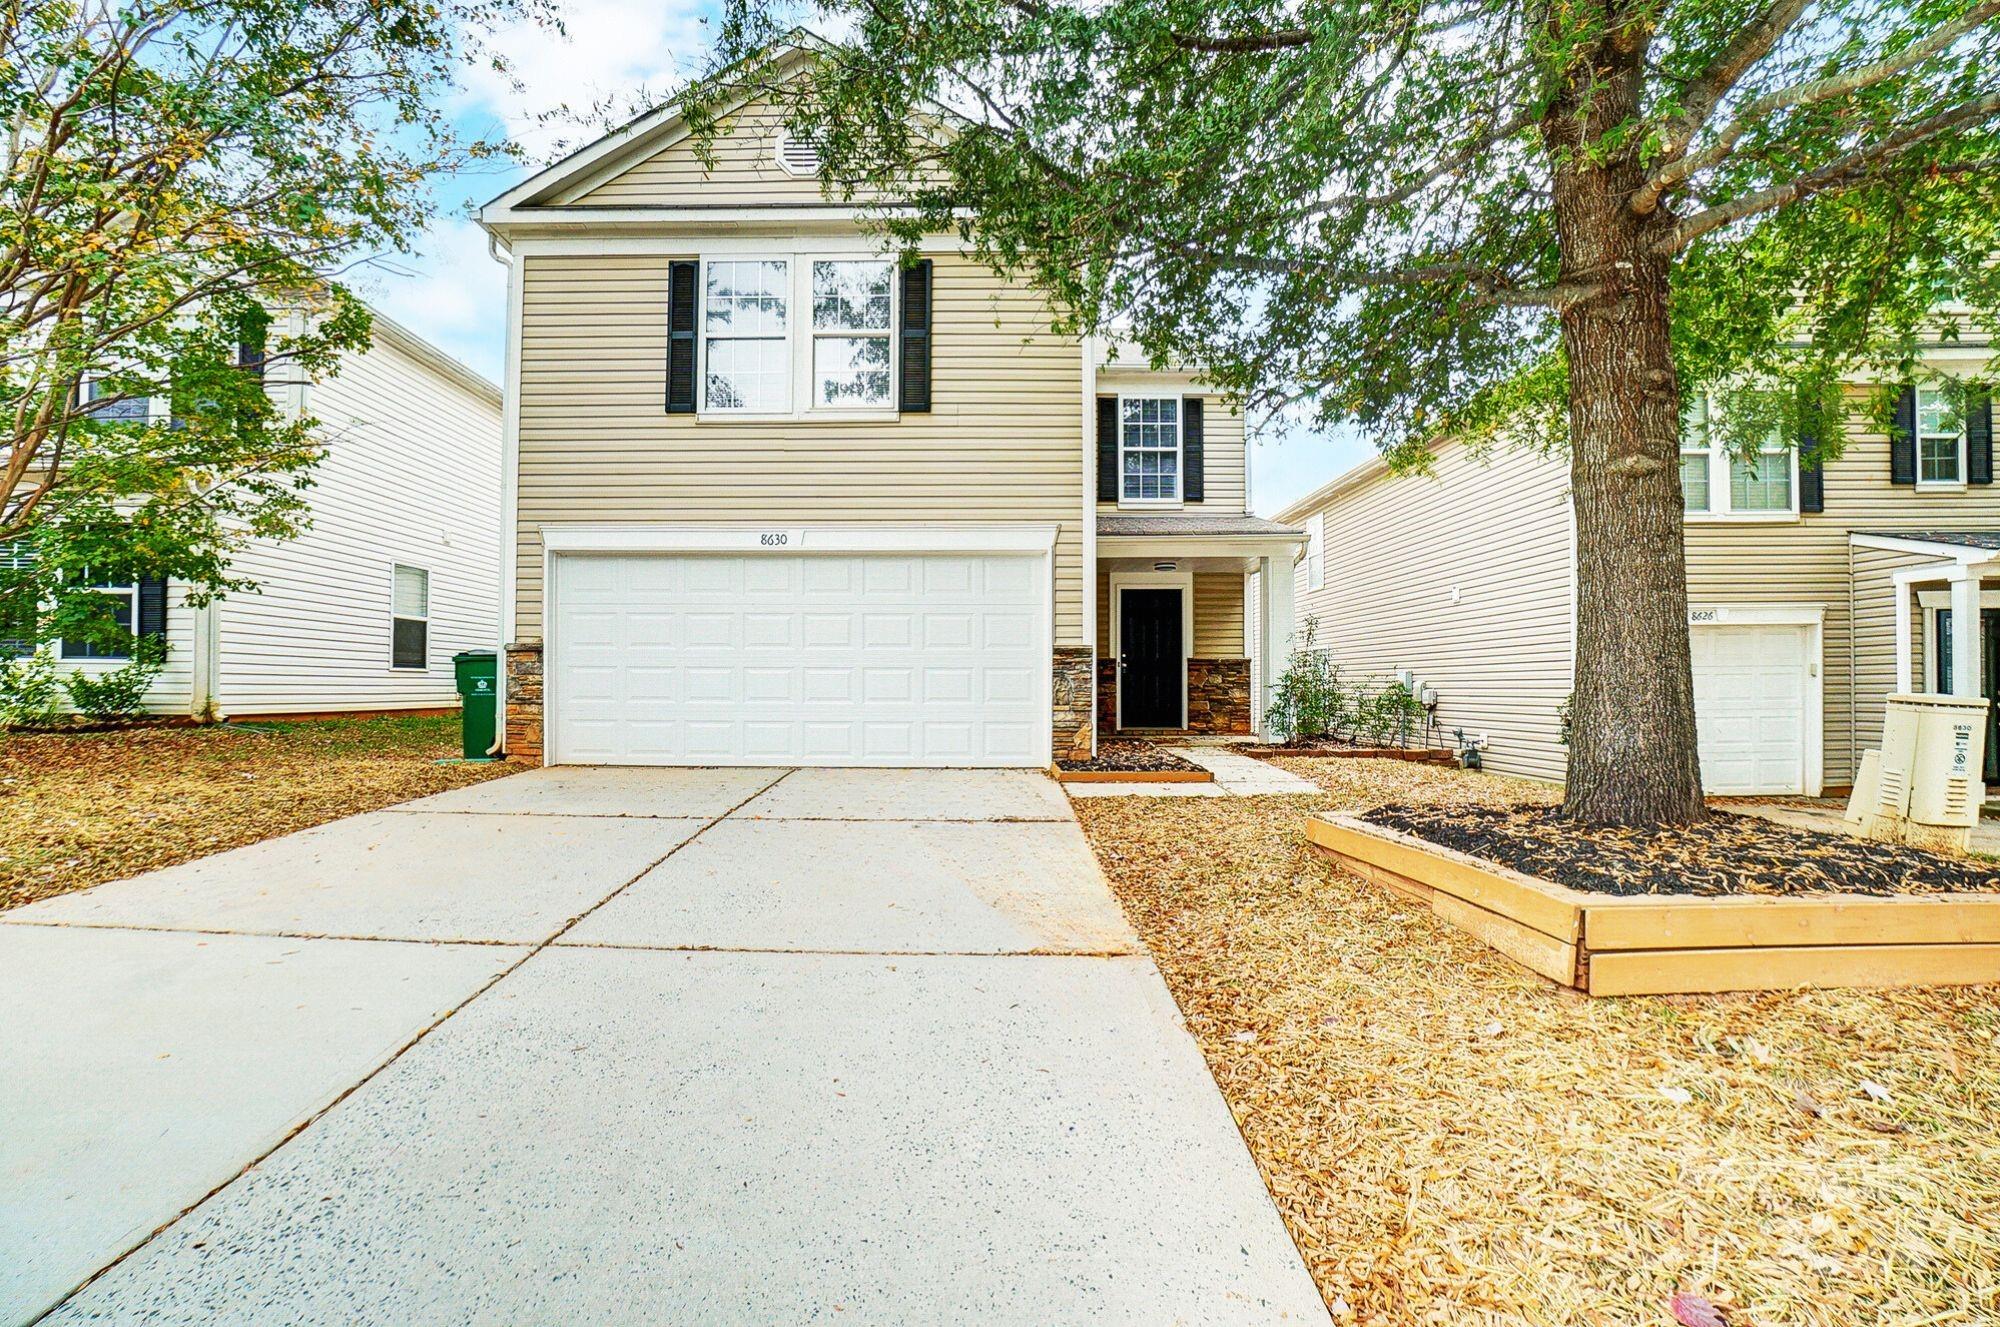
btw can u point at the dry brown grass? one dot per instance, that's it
(1454, 1140)
(77, 809)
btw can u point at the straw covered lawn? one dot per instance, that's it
(1454, 1140)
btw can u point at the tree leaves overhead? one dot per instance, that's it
(1349, 200)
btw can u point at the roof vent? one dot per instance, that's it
(797, 156)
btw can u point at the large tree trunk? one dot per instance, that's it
(1632, 754)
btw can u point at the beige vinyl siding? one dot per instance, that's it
(1003, 442)
(1223, 466)
(1497, 531)
(1806, 562)
(1218, 615)
(745, 170)
(1873, 656)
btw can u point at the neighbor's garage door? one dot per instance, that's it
(1750, 707)
(786, 660)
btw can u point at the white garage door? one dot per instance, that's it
(874, 659)
(1750, 707)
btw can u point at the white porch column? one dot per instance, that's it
(1905, 645)
(1274, 620)
(1965, 633)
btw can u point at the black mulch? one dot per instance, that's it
(1727, 854)
(1138, 757)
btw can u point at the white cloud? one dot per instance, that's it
(450, 292)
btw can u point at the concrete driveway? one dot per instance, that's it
(617, 1046)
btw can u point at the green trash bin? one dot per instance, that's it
(479, 695)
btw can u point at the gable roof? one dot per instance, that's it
(632, 142)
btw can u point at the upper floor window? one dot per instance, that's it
(1716, 481)
(1149, 449)
(746, 336)
(1940, 440)
(121, 410)
(850, 350)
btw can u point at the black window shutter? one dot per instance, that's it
(1191, 457)
(1903, 439)
(1979, 437)
(915, 351)
(683, 300)
(1107, 449)
(152, 607)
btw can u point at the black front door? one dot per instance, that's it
(1151, 658)
(1989, 685)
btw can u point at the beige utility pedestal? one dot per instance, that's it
(1925, 786)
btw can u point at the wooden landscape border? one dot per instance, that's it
(1679, 944)
(1131, 775)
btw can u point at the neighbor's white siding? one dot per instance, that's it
(411, 476)
(1495, 531)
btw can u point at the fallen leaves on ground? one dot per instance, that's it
(77, 809)
(1454, 1140)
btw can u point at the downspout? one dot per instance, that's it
(510, 388)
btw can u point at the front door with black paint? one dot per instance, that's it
(1151, 658)
(1989, 682)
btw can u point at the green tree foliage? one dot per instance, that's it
(184, 183)
(1477, 218)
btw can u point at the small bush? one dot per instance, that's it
(1309, 702)
(30, 691)
(1391, 715)
(120, 693)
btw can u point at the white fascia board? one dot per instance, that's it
(1198, 546)
(778, 537)
(843, 239)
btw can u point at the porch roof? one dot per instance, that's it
(1945, 543)
(1206, 527)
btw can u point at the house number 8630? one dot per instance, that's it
(774, 540)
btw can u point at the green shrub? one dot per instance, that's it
(1309, 702)
(1391, 715)
(30, 691)
(120, 693)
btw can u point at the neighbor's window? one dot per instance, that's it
(850, 346)
(125, 410)
(124, 597)
(746, 335)
(1149, 445)
(1940, 440)
(410, 619)
(1760, 485)
(17, 638)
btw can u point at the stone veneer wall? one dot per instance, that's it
(1071, 710)
(1218, 696)
(524, 701)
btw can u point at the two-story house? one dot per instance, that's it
(1814, 592)
(397, 570)
(780, 495)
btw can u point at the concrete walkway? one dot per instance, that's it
(615, 1046)
(1235, 776)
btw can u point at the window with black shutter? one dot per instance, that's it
(915, 352)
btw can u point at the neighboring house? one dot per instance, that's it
(777, 498)
(1813, 594)
(398, 571)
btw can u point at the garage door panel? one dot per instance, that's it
(1751, 693)
(864, 659)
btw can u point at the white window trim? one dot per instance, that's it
(1917, 437)
(1179, 500)
(1122, 581)
(1719, 511)
(395, 617)
(799, 337)
(128, 590)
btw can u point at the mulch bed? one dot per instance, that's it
(1728, 854)
(1435, 755)
(1127, 757)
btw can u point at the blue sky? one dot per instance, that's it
(453, 294)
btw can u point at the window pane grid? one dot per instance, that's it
(746, 318)
(1938, 439)
(1150, 439)
(851, 313)
(1763, 484)
(1694, 481)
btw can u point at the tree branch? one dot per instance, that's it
(1249, 43)
(1678, 169)
(1846, 172)
(1705, 93)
